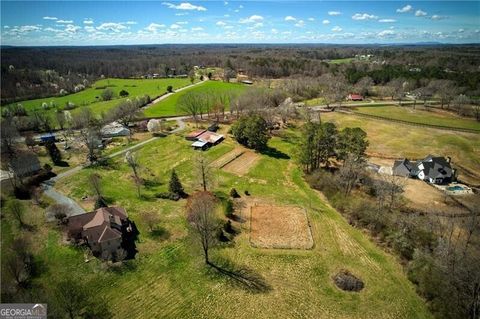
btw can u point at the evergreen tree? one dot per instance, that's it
(174, 186)
(54, 152)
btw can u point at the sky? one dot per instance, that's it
(157, 22)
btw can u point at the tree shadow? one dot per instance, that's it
(242, 277)
(150, 183)
(273, 152)
(160, 233)
(62, 164)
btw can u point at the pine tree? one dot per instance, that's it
(174, 186)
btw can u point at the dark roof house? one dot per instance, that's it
(102, 230)
(432, 169)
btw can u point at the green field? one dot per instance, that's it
(169, 279)
(168, 106)
(419, 116)
(92, 96)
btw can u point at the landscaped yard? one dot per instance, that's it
(168, 107)
(92, 96)
(419, 116)
(170, 280)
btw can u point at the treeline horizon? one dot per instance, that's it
(38, 72)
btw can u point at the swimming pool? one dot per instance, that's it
(455, 188)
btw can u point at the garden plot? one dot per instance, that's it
(279, 227)
(241, 164)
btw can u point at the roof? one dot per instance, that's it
(199, 143)
(355, 96)
(195, 133)
(114, 129)
(210, 137)
(109, 234)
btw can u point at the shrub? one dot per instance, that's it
(229, 210)
(169, 89)
(234, 193)
(123, 93)
(168, 195)
(175, 186)
(107, 94)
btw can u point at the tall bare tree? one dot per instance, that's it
(132, 161)
(201, 215)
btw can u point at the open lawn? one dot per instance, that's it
(419, 116)
(394, 140)
(170, 280)
(92, 96)
(168, 107)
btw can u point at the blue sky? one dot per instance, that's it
(157, 22)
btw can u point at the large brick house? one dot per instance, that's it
(105, 231)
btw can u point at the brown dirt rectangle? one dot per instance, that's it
(242, 164)
(280, 227)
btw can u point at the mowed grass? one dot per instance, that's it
(91, 97)
(170, 280)
(396, 140)
(419, 116)
(169, 106)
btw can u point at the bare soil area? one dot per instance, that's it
(242, 164)
(279, 227)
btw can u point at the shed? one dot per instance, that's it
(200, 145)
(114, 130)
(193, 136)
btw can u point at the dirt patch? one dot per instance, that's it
(345, 280)
(242, 164)
(284, 227)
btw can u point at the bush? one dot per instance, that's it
(247, 193)
(229, 210)
(168, 195)
(234, 193)
(251, 131)
(123, 93)
(107, 94)
(169, 89)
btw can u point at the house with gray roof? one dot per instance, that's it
(431, 169)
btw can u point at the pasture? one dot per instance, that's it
(169, 106)
(394, 140)
(169, 278)
(91, 96)
(420, 116)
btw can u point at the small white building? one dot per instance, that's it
(114, 129)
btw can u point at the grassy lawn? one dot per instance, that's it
(168, 106)
(395, 140)
(419, 116)
(92, 96)
(169, 279)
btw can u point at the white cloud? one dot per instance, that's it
(326, 21)
(252, 19)
(334, 13)
(153, 27)
(387, 20)
(87, 21)
(197, 29)
(175, 26)
(300, 24)
(26, 28)
(184, 6)
(311, 19)
(225, 3)
(364, 16)
(111, 26)
(290, 18)
(226, 15)
(49, 18)
(89, 29)
(70, 28)
(181, 13)
(337, 29)
(182, 22)
(461, 30)
(221, 24)
(405, 9)
(6, 27)
(131, 22)
(257, 25)
(274, 31)
(386, 33)
(52, 30)
(65, 21)
(438, 17)
(420, 13)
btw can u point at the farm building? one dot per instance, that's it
(432, 169)
(114, 129)
(103, 230)
(204, 139)
(354, 97)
